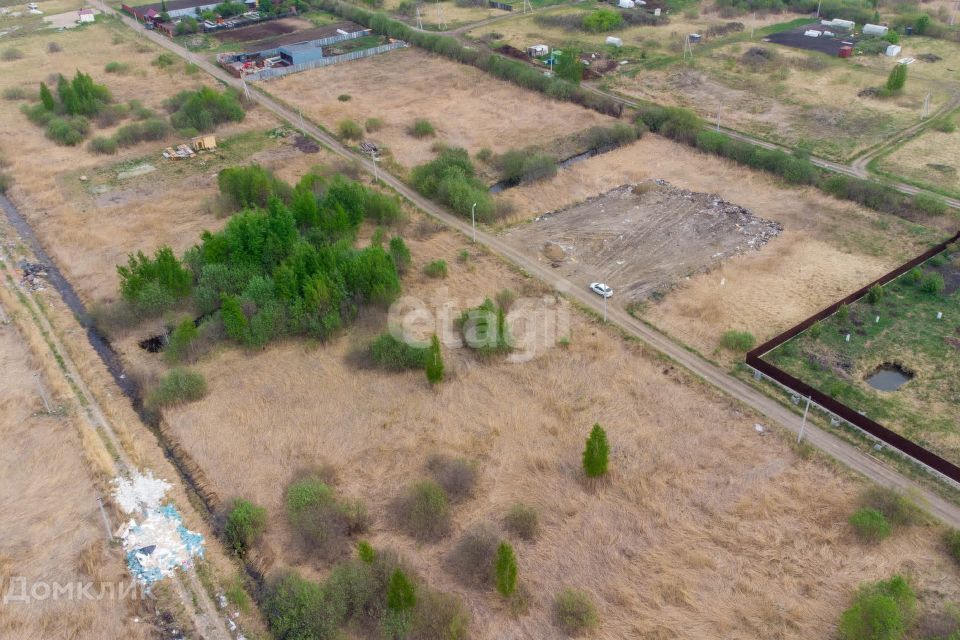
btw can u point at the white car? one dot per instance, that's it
(601, 289)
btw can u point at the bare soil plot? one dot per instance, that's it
(467, 107)
(827, 249)
(640, 239)
(52, 532)
(265, 30)
(794, 97)
(932, 158)
(678, 544)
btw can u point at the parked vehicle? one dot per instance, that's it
(601, 289)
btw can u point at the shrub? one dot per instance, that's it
(15, 93)
(881, 611)
(421, 128)
(400, 254)
(895, 507)
(450, 178)
(870, 525)
(318, 517)
(144, 278)
(952, 540)
(929, 204)
(204, 109)
(603, 138)
(457, 476)
(165, 60)
(434, 367)
(506, 570)
(945, 125)
(251, 186)
(54, 47)
(396, 355)
(6, 181)
(575, 612)
(117, 67)
(191, 69)
(103, 145)
(186, 26)
(932, 283)
(522, 521)
(344, 97)
(150, 130)
(738, 341)
(366, 552)
(12, 54)
(181, 341)
(424, 511)
(472, 561)
(597, 453)
(602, 20)
(178, 386)
(373, 124)
(519, 167)
(401, 598)
(568, 68)
(897, 78)
(436, 269)
(68, 131)
(349, 130)
(245, 524)
(439, 616)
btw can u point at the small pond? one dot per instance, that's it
(889, 377)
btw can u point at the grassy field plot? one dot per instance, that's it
(932, 158)
(895, 333)
(791, 97)
(432, 14)
(466, 107)
(827, 248)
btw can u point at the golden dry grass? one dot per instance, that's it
(706, 529)
(467, 107)
(828, 247)
(931, 158)
(51, 525)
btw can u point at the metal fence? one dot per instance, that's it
(277, 72)
(322, 42)
(755, 360)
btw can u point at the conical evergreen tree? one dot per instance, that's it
(597, 453)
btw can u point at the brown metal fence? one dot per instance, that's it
(755, 360)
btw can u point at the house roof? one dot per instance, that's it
(86, 12)
(174, 5)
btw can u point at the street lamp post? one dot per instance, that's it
(473, 219)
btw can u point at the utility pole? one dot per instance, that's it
(419, 19)
(604, 309)
(106, 521)
(473, 219)
(376, 174)
(926, 105)
(719, 109)
(43, 393)
(819, 2)
(804, 423)
(687, 47)
(302, 131)
(441, 24)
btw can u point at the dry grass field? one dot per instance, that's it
(51, 532)
(796, 97)
(89, 227)
(706, 528)
(828, 247)
(932, 158)
(467, 107)
(450, 14)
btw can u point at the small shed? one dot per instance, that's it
(617, 42)
(845, 51)
(86, 15)
(302, 53)
(874, 30)
(204, 143)
(626, 4)
(893, 50)
(538, 50)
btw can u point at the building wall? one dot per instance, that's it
(190, 11)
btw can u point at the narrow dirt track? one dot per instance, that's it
(829, 443)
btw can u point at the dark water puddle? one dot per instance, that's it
(889, 377)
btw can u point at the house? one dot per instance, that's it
(87, 15)
(173, 8)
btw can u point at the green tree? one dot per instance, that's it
(597, 452)
(366, 552)
(401, 594)
(881, 611)
(46, 97)
(400, 254)
(234, 321)
(506, 570)
(434, 361)
(181, 339)
(245, 523)
(567, 66)
(897, 78)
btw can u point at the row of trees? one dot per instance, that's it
(287, 268)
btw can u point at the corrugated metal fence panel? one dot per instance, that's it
(277, 72)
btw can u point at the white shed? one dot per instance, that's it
(626, 4)
(617, 42)
(537, 50)
(893, 50)
(87, 15)
(874, 30)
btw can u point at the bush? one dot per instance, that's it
(439, 616)
(602, 20)
(68, 131)
(451, 179)
(150, 130)
(881, 611)
(738, 341)
(436, 269)
(400, 254)
(103, 145)
(870, 525)
(575, 612)
(945, 125)
(251, 186)
(181, 340)
(117, 67)
(434, 367)
(178, 386)
(373, 124)
(349, 130)
(421, 128)
(14, 93)
(952, 540)
(245, 523)
(929, 204)
(522, 521)
(204, 109)
(11, 54)
(396, 355)
(520, 167)
(6, 181)
(319, 518)
(472, 561)
(457, 476)
(506, 570)
(424, 511)
(165, 60)
(932, 283)
(54, 47)
(597, 453)
(344, 97)
(897, 78)
(152, 285)
(875, 294)
(604, 138)
(897, 508)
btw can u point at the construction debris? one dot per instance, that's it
(180, 152)
(33, 276)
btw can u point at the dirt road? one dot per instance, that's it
(829, 443)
